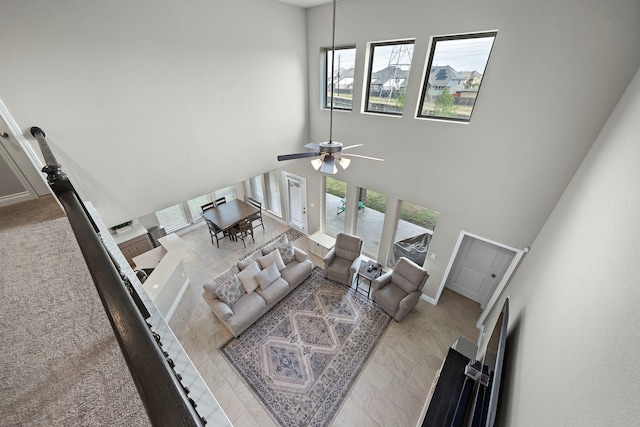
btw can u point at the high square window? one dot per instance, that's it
(388, 75)
(454, 74)
(345, 58)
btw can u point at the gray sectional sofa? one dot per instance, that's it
(249, 288)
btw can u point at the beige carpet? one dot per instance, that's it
(61, 363)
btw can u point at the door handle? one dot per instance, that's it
(493, 276)
(4, 134)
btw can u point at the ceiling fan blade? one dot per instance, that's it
(312, 146)
(363, 157)
(329, 165)
(297, 155)
(352, 146)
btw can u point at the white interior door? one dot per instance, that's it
(296, 190)
(19, 178)
(477, 269)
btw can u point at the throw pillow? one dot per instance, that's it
(287, 253)
(242, 264)
(273, 245)
(225, 276)
(230, 291)
(267, 276)
(270, 258)
(247, 277)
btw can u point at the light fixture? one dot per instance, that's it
(344, 162)
(329, 163)
(316, 163)
(330, 153)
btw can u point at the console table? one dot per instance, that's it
(320, 244)
(440, 407)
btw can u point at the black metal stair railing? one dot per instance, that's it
(163, 395)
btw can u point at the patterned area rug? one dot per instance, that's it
(302, 357)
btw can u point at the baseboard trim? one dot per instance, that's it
(15, 198)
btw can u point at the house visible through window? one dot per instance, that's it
(453, 75)
(345, 58)
(389, 66)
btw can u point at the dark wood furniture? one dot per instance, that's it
(227, 215)
(134, 247)
(368, 274)
(215, 232)
(257, 204)
(242, 230)
(207, 206)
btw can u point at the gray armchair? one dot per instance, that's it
(343, 260)
(398, 291)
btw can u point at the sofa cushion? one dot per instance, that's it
(347, 246)
(230, 291)
(246, 311)
(273, 245)
(388, 297)
(408, 275)
(287, 253)
(339, 270)
(248, 260)
(275, 292)
(296, 272)
(268, 275)
(225, 276)
(247, 277)
(272, 257)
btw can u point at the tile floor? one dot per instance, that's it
(392, 389)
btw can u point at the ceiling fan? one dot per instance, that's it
(329, 153)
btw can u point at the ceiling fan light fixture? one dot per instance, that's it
(316, 163)
(344, 162)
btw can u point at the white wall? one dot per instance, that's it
(149, 103)
(573, 341)
(555, 73)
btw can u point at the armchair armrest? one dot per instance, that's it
(328, 258)
(380, 282)
(219, 308)
(407, 304)
(355, 266)
(299, 254)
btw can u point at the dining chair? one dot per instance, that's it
(215, 232)
(220, 201)
(257, 216)
(207, 206)
(242, 230)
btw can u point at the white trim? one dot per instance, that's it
(15, 198)
(505, 277)
(39, 188)
(428, 299)
(286, 177)
(503, 283)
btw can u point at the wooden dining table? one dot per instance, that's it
(228, 214)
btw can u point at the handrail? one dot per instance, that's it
(161, 392)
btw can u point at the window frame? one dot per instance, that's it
(327, 72)
(427, 71)
(372, 48)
